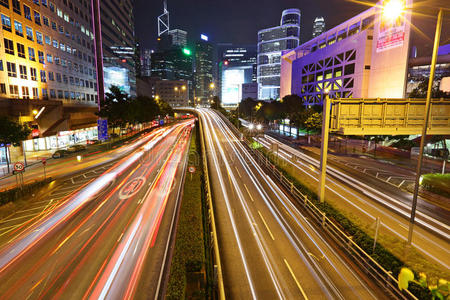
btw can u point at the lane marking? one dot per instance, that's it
(295, 279)
(238, 172)
(265, 224)
(248, 192)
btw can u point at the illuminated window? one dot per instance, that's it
(41, 57)
(11, 67)
(18, 28)
(20, 50)
(35, 93)
(6, 23)
(9, 46)
(39, 38)
(66, 17)
(23, 72)
(14, 90)
(55, 44)
(49, 58)
(59, 12)
(29, 33)
(48, 40)
(25, 92)
(27, 12)
(43, 77)
(37, 18)
(33, 74)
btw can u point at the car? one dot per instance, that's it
(91, 142)
(60, 153)
(76, 148)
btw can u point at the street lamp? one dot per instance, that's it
(35, 111)
(157, 97)
(393, 9)
(437, 37)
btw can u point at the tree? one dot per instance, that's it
(246, 107)
(143, 109)
(421, 91)
(115, 107)
(164, 108)
(313, 123)
(12, 133)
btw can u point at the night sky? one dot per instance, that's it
(237, 21)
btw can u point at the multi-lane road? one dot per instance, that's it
(110, 237)
(269, 250)
(367, 198)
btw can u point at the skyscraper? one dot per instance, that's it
(146, 62)
(118, 44)
(271, 43)
(318, 26)
(179, 37)
(236, 66)
(203, 70)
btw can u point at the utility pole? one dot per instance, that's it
(324, 147)
(437, 37)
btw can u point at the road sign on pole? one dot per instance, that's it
(19, 167)
(102, 127)
(191, 170)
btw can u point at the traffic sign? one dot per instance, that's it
(44, 161)
(102, 129)
(191, 169)
(19, 167)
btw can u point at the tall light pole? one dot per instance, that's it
(437, 37)
(324, 146)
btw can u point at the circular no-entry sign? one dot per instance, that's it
(44, 161)
(19, 167)
(191, 169)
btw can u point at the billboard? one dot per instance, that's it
(232, 80)
(392, 29)
(116, 76)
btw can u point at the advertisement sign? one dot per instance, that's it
(391, 32)
(102, 126)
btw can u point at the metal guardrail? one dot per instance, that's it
(212, 222)
(381, 276)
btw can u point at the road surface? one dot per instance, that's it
(368, 198)
(110, 238)
(269, 250)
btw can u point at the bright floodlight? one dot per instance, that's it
(392, 9)
(251, 126)
(258, 127)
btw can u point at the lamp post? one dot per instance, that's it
(324, 146)
(425, 124)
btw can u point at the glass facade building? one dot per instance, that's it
(179, 37)
(118, 44)
(318, 26)
(203, 71)
(236, 66)
(271, 43)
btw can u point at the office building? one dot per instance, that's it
(174, 92)
(118, 45)
(271, 43)
(364, 57)
(47, 54)
(179, 37)
(318, 26)
(146, 63)
(203, 79)
(237, 66)
(250, 90)
(172, 64)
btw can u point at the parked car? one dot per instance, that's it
(76, 148)
(60, 153)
